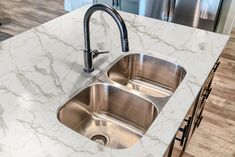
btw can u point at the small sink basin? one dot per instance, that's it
(108, 115)
(146, 74)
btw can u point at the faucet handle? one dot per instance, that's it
(96, 53)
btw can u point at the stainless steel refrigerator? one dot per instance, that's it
(201, 14)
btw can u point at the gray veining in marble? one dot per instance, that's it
(41, 68)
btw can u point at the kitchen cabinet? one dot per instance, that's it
(182, 137)
(193, 118)
(131, 6)
(70, 5)
(205, 92)
(107, 2)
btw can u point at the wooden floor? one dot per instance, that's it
(20, 15)
(216, 135)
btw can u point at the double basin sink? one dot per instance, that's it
(118, 108)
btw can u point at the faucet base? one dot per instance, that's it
(88, 65)
(88, 70)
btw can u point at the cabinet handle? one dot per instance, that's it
(199, 121)
(208, 91)
(216, 66)
(184, 131)
(182, 139)
(115, 3)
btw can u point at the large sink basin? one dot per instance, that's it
(108, 115)
(146, 74)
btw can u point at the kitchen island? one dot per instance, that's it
(43, 67)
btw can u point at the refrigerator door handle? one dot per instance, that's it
(166, 10)
(171, 4)
(113, 3)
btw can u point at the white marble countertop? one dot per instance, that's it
(43, 67)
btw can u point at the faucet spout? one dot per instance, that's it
(88, 55)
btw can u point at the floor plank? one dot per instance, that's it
(20, 15)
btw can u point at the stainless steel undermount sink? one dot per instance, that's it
(146, 74)
(110, 112)
(108, 115)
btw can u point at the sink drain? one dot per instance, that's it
(100, 139)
